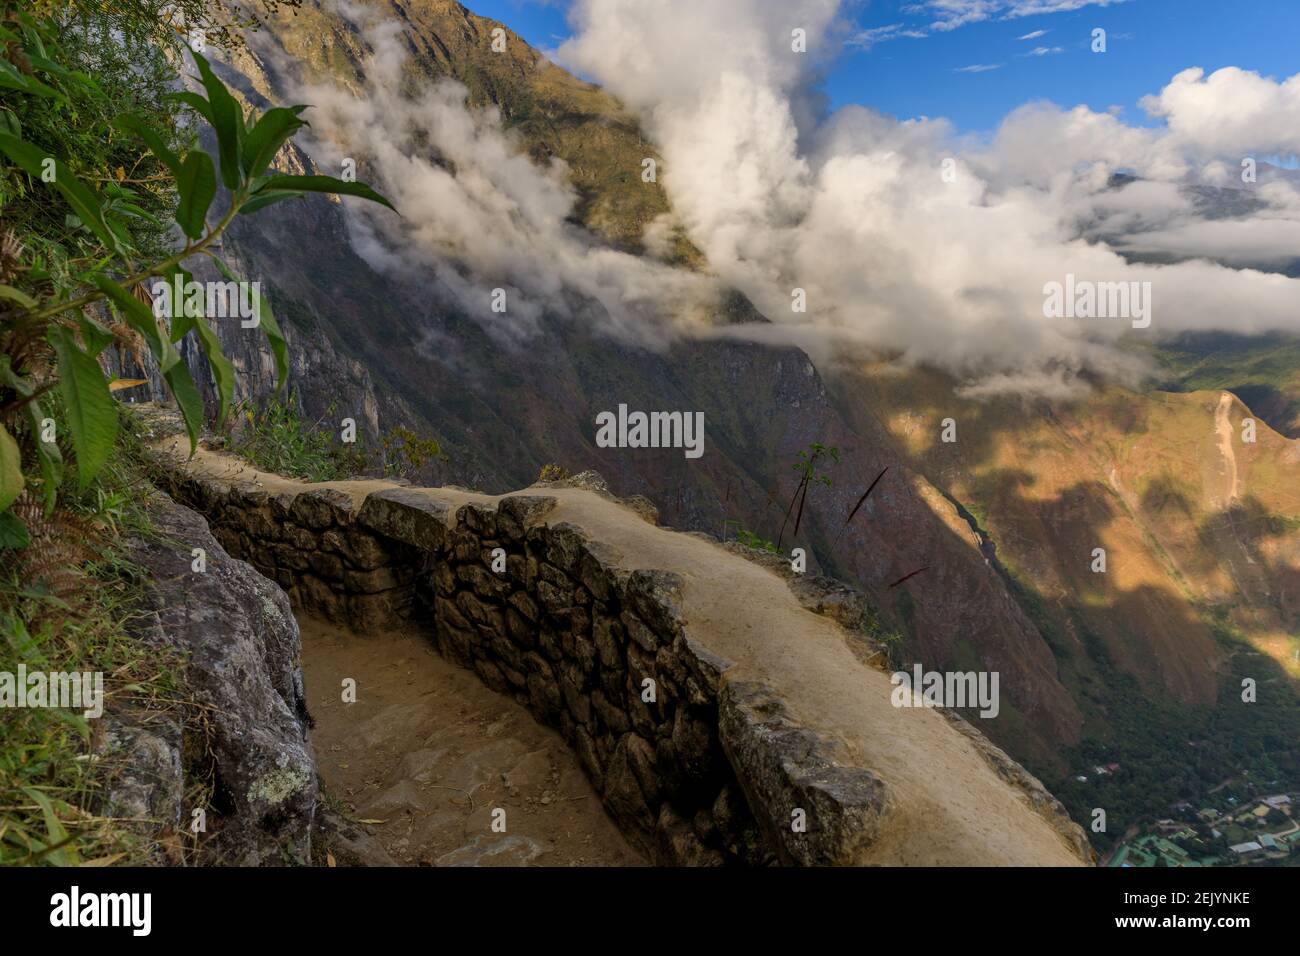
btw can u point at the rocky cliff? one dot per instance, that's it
(244, 761)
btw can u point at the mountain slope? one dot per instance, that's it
(1002, 523)
(1264, 372)
(1201, 588)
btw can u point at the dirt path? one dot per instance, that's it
(431, 752)
(1223, 428)
(953, 808)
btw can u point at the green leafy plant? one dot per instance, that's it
(52, 338)
(809, 466)
(751, 540)
(275, 438)
(405, 452)
(48, 790)
(101, 191)
(748, 538)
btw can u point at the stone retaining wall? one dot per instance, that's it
(595, 650)
(696, 769)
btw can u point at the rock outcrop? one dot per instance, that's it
(235, 634)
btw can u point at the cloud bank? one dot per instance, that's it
(905, 238)
(902, 238)
(477, 214)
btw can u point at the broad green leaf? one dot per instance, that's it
(11, 469)
(196, 103)
(48, 455)
(11, 78)
(324, 184)
(227, 118)
(136, 212)
(91, 411)
(96, 337)
(78, 195)
(13, 533)
(119, 230)
(197, 185)
(222, 369)
(33, 34)
(272, 329)
(56, 834)
(263, 199)
(188, 400)
(46, 65)
(150, 137)
(141, 318)
(272, 130)
(181, 320)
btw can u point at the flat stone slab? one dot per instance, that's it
(815, 812)
(407, 516)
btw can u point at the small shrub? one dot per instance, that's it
(751, 540)
(276, 438)
(406, 453)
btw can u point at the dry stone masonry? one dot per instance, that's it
(696, 769)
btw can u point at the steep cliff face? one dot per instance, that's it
(379, 348)
(1196, 523)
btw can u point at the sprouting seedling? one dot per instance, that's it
(861, 501)
(808, 474)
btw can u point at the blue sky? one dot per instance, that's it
(1148, 42)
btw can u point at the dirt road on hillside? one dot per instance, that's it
(1223, 428)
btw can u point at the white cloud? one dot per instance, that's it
(1045, 51)
(978, 68)
(855, 211)
(853, 208)
(477, 214)
(951, 14)
(868, 38)
(1231, 110)
(1034, 35)
(1254, 244)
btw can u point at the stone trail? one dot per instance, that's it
(757, 708)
